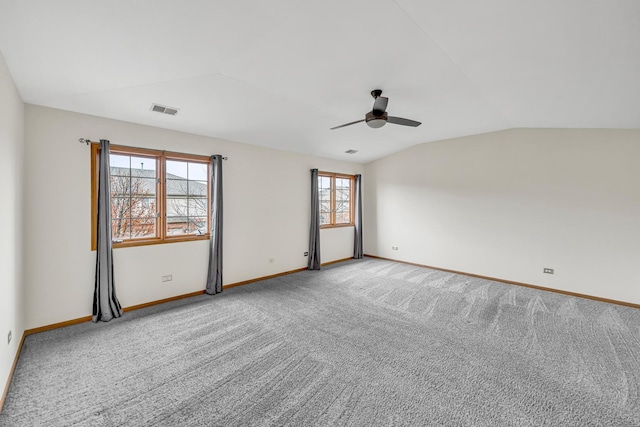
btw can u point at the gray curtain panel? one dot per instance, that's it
(105, 303)
(357, 242)
(214, 274)
(314, 233)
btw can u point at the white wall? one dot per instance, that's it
(509, 203)
(11, 168)
(266, 215)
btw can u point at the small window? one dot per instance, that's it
(335, 194)
(156, 197)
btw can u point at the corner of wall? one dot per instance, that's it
(12, 130)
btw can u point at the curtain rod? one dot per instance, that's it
(88, 141)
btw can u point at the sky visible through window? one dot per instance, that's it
(124, 161)
(134, 203)
(155, 197)
(186, 197)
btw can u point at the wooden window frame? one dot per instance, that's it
(332, 203)
(161, 224)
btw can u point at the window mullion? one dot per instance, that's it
(188, 199)
(333, 200)
(130, 210)
(162, 197)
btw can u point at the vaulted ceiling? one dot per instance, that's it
(280, 73)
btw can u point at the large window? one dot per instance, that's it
(335, 192)
(156, 197)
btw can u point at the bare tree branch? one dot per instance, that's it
(133, 207)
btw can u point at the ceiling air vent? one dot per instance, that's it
(164, 110)
(351, 151)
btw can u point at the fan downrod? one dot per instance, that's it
(376, 93)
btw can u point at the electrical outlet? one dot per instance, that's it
(306, 254)
(548, 270)
(167, 278)
(394, 248)
(9, 338)
(271, 260)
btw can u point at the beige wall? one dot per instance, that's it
(266, 204)
(507, 204)
(502, 204)
(11, 174)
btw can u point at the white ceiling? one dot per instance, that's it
(280, 73)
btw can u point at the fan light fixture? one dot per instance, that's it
(376, 121)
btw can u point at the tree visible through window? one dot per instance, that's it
(133, 197)
(186, 197)
(156, 197)
(335, 193)
(324, 193)
(343, 200)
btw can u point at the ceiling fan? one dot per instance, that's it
(378, 117)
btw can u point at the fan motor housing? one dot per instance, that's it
(376, 121)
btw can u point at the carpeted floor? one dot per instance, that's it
(362, 343)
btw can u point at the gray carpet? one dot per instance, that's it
(362, 343)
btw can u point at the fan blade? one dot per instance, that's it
(403, 122)
(347, 124)
(380, 106)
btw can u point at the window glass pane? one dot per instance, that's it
(176, 169)
(142, 227)
(325, 198)
(120, 163)
(324, 182)
(342, 206)
(343, 183)
(120, 207)
(324, 218)
(176, 207)
(198, 171)
(177, 187)
(176, 225)
(343, 188)
(143, 186)
(120, 229)
(120, 185)
(195, 226)
(343, 194)
(197, 206)
(197, 188)
(143, 166)
(181, 225)
(343, 217)
(199, 226)
(142, 207)
(324, 194)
